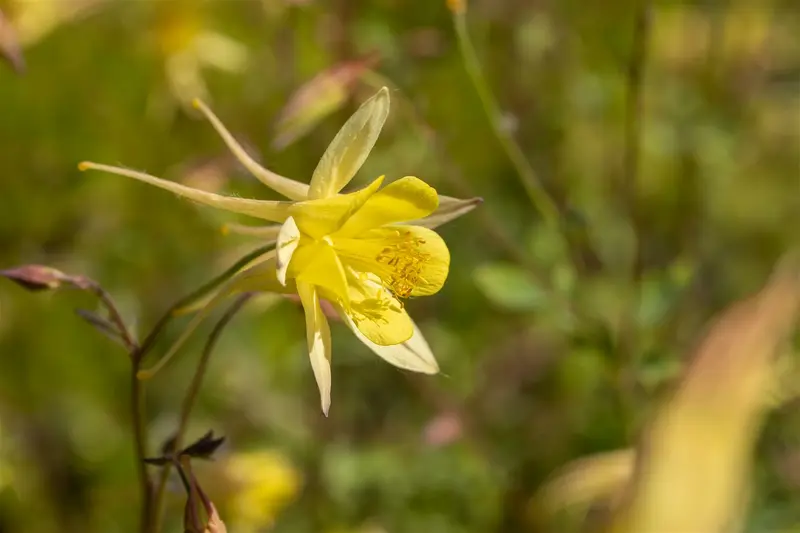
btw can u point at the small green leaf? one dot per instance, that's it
(510, 287)
(548, 247)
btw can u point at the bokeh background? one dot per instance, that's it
(549, 352)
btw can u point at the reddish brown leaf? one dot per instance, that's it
(10, 48)
(36, 277)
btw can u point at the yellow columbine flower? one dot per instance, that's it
(363, 251)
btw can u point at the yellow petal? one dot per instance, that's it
(290, 188)
(350, 147)
(267, 210)
(414, 354)
(410, 260)
(316, 263)
(288, 240)
(318, 218)
(377, 314)
(318, 336)
(406, 199)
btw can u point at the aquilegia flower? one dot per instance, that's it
(364, 251)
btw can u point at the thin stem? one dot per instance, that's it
(137, 395)
(191, 397)
(150, 517)
(196, 295)
(114, 316)
(539, 197)
(140, 446)
(634, 111)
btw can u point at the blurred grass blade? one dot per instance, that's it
(10, 48)
(323, 95)
(585, 481)
(694, 472)
(510, 287)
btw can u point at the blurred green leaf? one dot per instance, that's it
(510, 287)
(612, 236)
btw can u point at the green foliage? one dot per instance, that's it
(554, 342)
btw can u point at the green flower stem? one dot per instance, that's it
(150, 515)
(189, 401)
(533, 187)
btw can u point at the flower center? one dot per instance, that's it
(403, 260)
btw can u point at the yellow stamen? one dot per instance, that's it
(404, 260)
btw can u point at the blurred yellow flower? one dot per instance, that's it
(187, 46)
(363, 251)
(262, 483)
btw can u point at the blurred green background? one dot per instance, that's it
(548, 352)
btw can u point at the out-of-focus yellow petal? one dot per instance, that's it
(414, 354)
(267, 210)
(318, 218)
(406, 199)
(377, 314)
(410, 260)
(350, 147)
(288, 240)
(318, 336)
(317, 264)
(254, 487)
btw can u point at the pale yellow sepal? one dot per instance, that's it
(288, 240)
(414, 354)
(318, 336)
(264, 209)
(294, 190)
(350, 148)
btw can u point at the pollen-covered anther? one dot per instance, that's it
(404, 258)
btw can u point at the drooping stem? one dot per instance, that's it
(190, 399)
